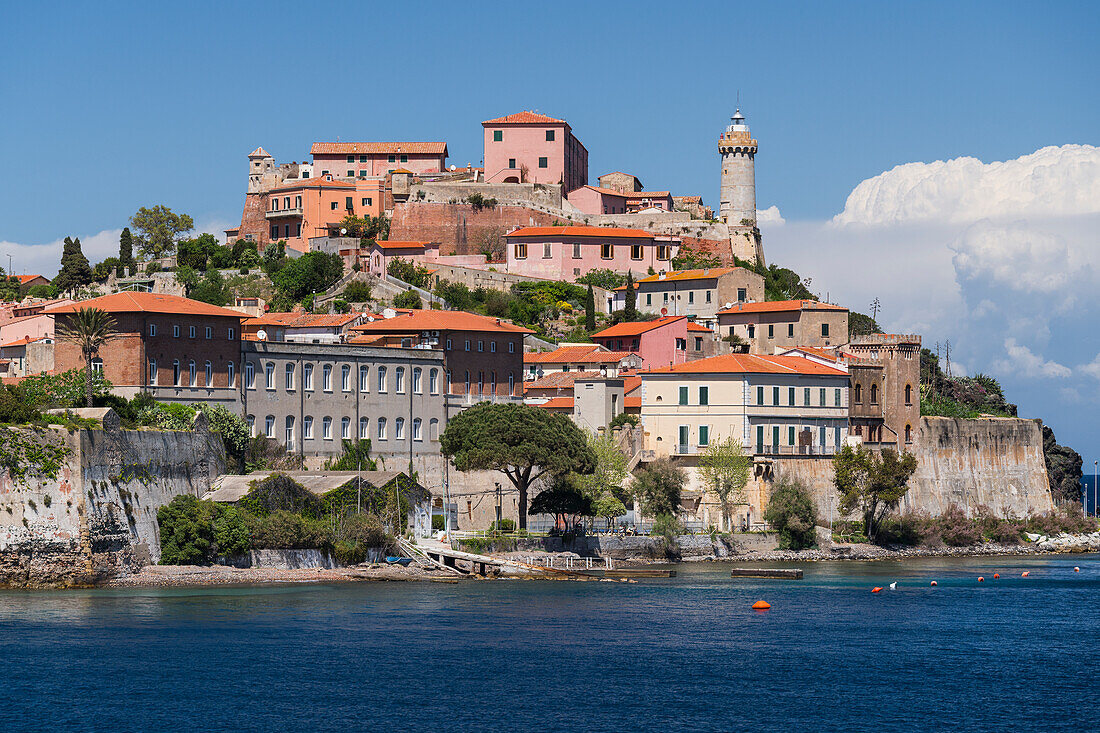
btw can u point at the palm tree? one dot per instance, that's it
(89, 328)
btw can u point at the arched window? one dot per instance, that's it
(381, 378)
(289, 377)
(269, 375)
(418, 431)
(399, 429)
(307, 377)
(326, 378)
(307, 427)
(345, 428)
(209, 369)
(326, 428)
(433, 429)
(433, 381)
(908, 394)
(467, 381)
(191, 374)
(493, 382)
(511, 385)
(269, 426)
(345, 378)
(381, 428)
(230, 375)
(153, 372)
(251, 426)
(908, 433)
(874, 394)
(364, 379)
(418, 387)
(290, 432)
(364, 428)
(249, 375)
(399, 380)
(859, 393)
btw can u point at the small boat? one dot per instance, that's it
(402, 561)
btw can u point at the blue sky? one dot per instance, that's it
(108, 107)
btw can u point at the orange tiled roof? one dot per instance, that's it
(558, 380)
(562, 402)
(136, 302)
(698, 327)
(588, 353)
(24, 279)
(524, 118)
(778, 306)
(23, 341)
(635, 328)
(606, 191)
(681, 275)
(647, 194)
(302, 320)
(392, 244)
(607, 232)
(416, 148)
(817, 351)
(630, 383)
(750, 364)
(432, 320)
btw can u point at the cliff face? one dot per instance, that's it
(997, 463)
(96, 516)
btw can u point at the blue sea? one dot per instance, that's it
(680, 654)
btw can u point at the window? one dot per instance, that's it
(704, 395)
(790, 435)
(467, 344)
(492, 347)
(345, 428)
(480, 345)
(347, 203)
(771, 331)
(326, 428)
(209, 332)
(790, 396)
(511, 385)
(908, 433)
(345, 378)
(511, 162)
(704, 435)
(664, 252)
(229, 334)
(448, 344)
(752, 330)
(192, 376)
(467, 382)
(433, 429)
(698, 343)
(381, 428)
(742, 294)
(836, 397)
(229, 369)
(404, 159)
(399, 429)
(269, 426)
(908, 395)
(874, 394)
(326, 377)
(683, 395)
(521, 251)
(418, 386)
(649, 298)
(191, 331)
(307, 377)
(152, 329)
(543, 163)
(153, 371)
(759, 395)
(576, 250)
(824, 330)
(399, 380)
(498, 136)
(511, 347)
(381, 378)
(665, 298)
(209, 368)
(481, 383)
(251, 419)
(364, 379)
(249, 375)
(351, 174)
(307, 427)
(681, 344)
(433, 381)
(859, 394)
(547, 251)
(289, 377)
(775, 396)
(364, 428)
(607, 250)
(709, 292)
(351, 158)
(691, 296)
(549, 136)
(175, 331)
(821, 397)
(635, 251)
(392, 159)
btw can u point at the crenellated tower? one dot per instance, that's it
(737, 197)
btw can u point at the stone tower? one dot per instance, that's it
(738, 194)
(261, 170)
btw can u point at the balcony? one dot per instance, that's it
(279, 214)
(794, 450)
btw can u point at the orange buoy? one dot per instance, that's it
(1026, 573)
(934, 583)
(1077, 570)
(996, 575)
(761, 605)
(981, 579)
(876, 589)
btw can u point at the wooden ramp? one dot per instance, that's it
(443, 555)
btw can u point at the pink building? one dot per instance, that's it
(528, 147)
(362, 160)
(596, 200)
(39, 325)
(566, 253)
(642, 200)
(304, 209)
(662, 342)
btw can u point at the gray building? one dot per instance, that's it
(310, 397)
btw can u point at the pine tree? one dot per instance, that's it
(126, 248)
(631, 312)
(75, 270)
(590, 311)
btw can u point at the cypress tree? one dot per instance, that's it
(126, 248)
(631, 312)
(590, 310)
(75, 270)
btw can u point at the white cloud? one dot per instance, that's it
(1016, 255)
(45, 259)
(770, 215)
(1091, 369)
(1052, 181)
(1023, 360)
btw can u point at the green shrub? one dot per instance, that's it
(956, 529)
(439, 522)
(194, 532)
(624, 419)
(791, 512)
(283, 530)
(904, 529)
(408, 299)
(356, 291)
(501, 525)
(15, 411)
(280, 493)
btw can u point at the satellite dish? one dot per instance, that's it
(370, 319)
(343, 231)
(452, 166)
(389, 313)
(664, 311)
(261, 335)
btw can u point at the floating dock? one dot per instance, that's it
(781, 573)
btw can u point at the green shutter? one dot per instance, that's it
(704, 435)
(704, 395)
(683, 395)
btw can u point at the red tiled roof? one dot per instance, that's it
(559, 380)
(315, 182)
(817, 351)
(136, 302)
(647, 194)
(302, 320)
(630, 383)
(392, 244)
(563, 402)
(432, 320)
(524, 118)
(587, 354)
(606, 191)
(698, 327)
(635, 328)
(689, 199)
(750, 364)
(23, 341)
(578, 231)
(778, 306)
(415, 148)
(24, 279)
(680, 275)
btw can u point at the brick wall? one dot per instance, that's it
(458, 228)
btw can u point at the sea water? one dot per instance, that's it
(679, 654)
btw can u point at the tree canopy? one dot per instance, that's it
(872, 483)
(126, 247)
(523, 442)
(792, 513)
(564, 500)
(313, 272)
(75, 270)
(158, 229)
(725, 470)
(659, 486)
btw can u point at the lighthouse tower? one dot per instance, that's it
(737, 198)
